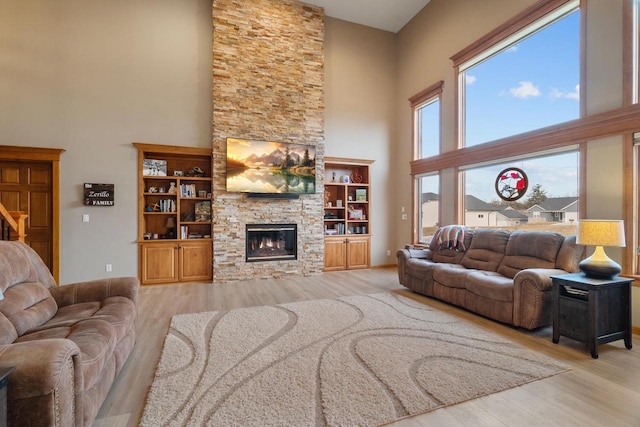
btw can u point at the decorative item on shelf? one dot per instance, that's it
(345, 179)
(152, 190)
(146, 236)
(361, 195)
(511, 184)
(156, 207)
(329, 204)
(327, 196)
(172, 188)
(196, 171)
(599, 233)
(333, 177)
(171, 228)
(148, 208)
(350, 198)
(202, 193)
(186, 216)
(161, 190)
(178, 173)
(356, 177)
(339, 203)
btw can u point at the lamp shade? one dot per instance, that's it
(601, 232)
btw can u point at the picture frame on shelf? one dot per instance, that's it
(355, 214)
(361, 195)
(153, 167)
(203, 211)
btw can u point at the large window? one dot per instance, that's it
(527, 82)
(550, 202)
(429, 206)
(428, 128)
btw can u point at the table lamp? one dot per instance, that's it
(599, 233)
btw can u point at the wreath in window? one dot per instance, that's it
(511, 184)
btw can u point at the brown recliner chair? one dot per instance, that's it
(67, 343)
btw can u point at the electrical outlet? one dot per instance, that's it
(108, 268)
(388, 252)
(85, 217)
(404, 217)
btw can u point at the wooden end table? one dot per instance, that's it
(593, 311)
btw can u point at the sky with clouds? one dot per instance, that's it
(529, 85)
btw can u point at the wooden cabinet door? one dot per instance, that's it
(158, 262)
(358, 252)
(196, 261)
(335, 254)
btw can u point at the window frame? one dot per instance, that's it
(631, 148)
(423, 98)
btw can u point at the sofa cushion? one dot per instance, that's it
(486, 250)
(28, 305)
(490, 285)
(451, 275)
(120, 312)
(95, 338)
(531, 249)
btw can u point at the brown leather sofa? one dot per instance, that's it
(67, 343)
(502, 275)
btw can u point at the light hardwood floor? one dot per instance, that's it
(602, 392)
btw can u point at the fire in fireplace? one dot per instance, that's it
(271, 242)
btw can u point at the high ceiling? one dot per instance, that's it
(389, 15)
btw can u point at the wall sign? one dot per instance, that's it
(98, 194)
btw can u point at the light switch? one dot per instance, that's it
(85, 217)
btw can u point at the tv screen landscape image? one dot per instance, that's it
(270, 167)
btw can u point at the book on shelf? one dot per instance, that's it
(167, 205)
(361, 195)
(188, 190)
(184, 231)
(203, 211)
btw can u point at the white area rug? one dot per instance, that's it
(363, 360)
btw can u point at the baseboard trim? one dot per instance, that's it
(385, 266)
(635, 330)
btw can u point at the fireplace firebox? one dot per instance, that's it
(271, 242)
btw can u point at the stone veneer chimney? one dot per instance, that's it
(268, 84)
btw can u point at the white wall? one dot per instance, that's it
(90, 78)
(360, 76)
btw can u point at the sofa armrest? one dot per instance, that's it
(46, 382)
(532, 297)
(96, 290)
(411, 252)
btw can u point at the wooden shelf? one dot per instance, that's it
(168, 258)
(349, 247)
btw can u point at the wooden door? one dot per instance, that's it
(158, 262)
(196, 260)
(28, 186)
(358, 254)
(335, 253)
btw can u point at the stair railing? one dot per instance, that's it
(12, 220)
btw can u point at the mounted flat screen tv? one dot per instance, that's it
(267, 167)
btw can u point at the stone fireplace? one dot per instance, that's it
(271, 242)
(268, 84)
